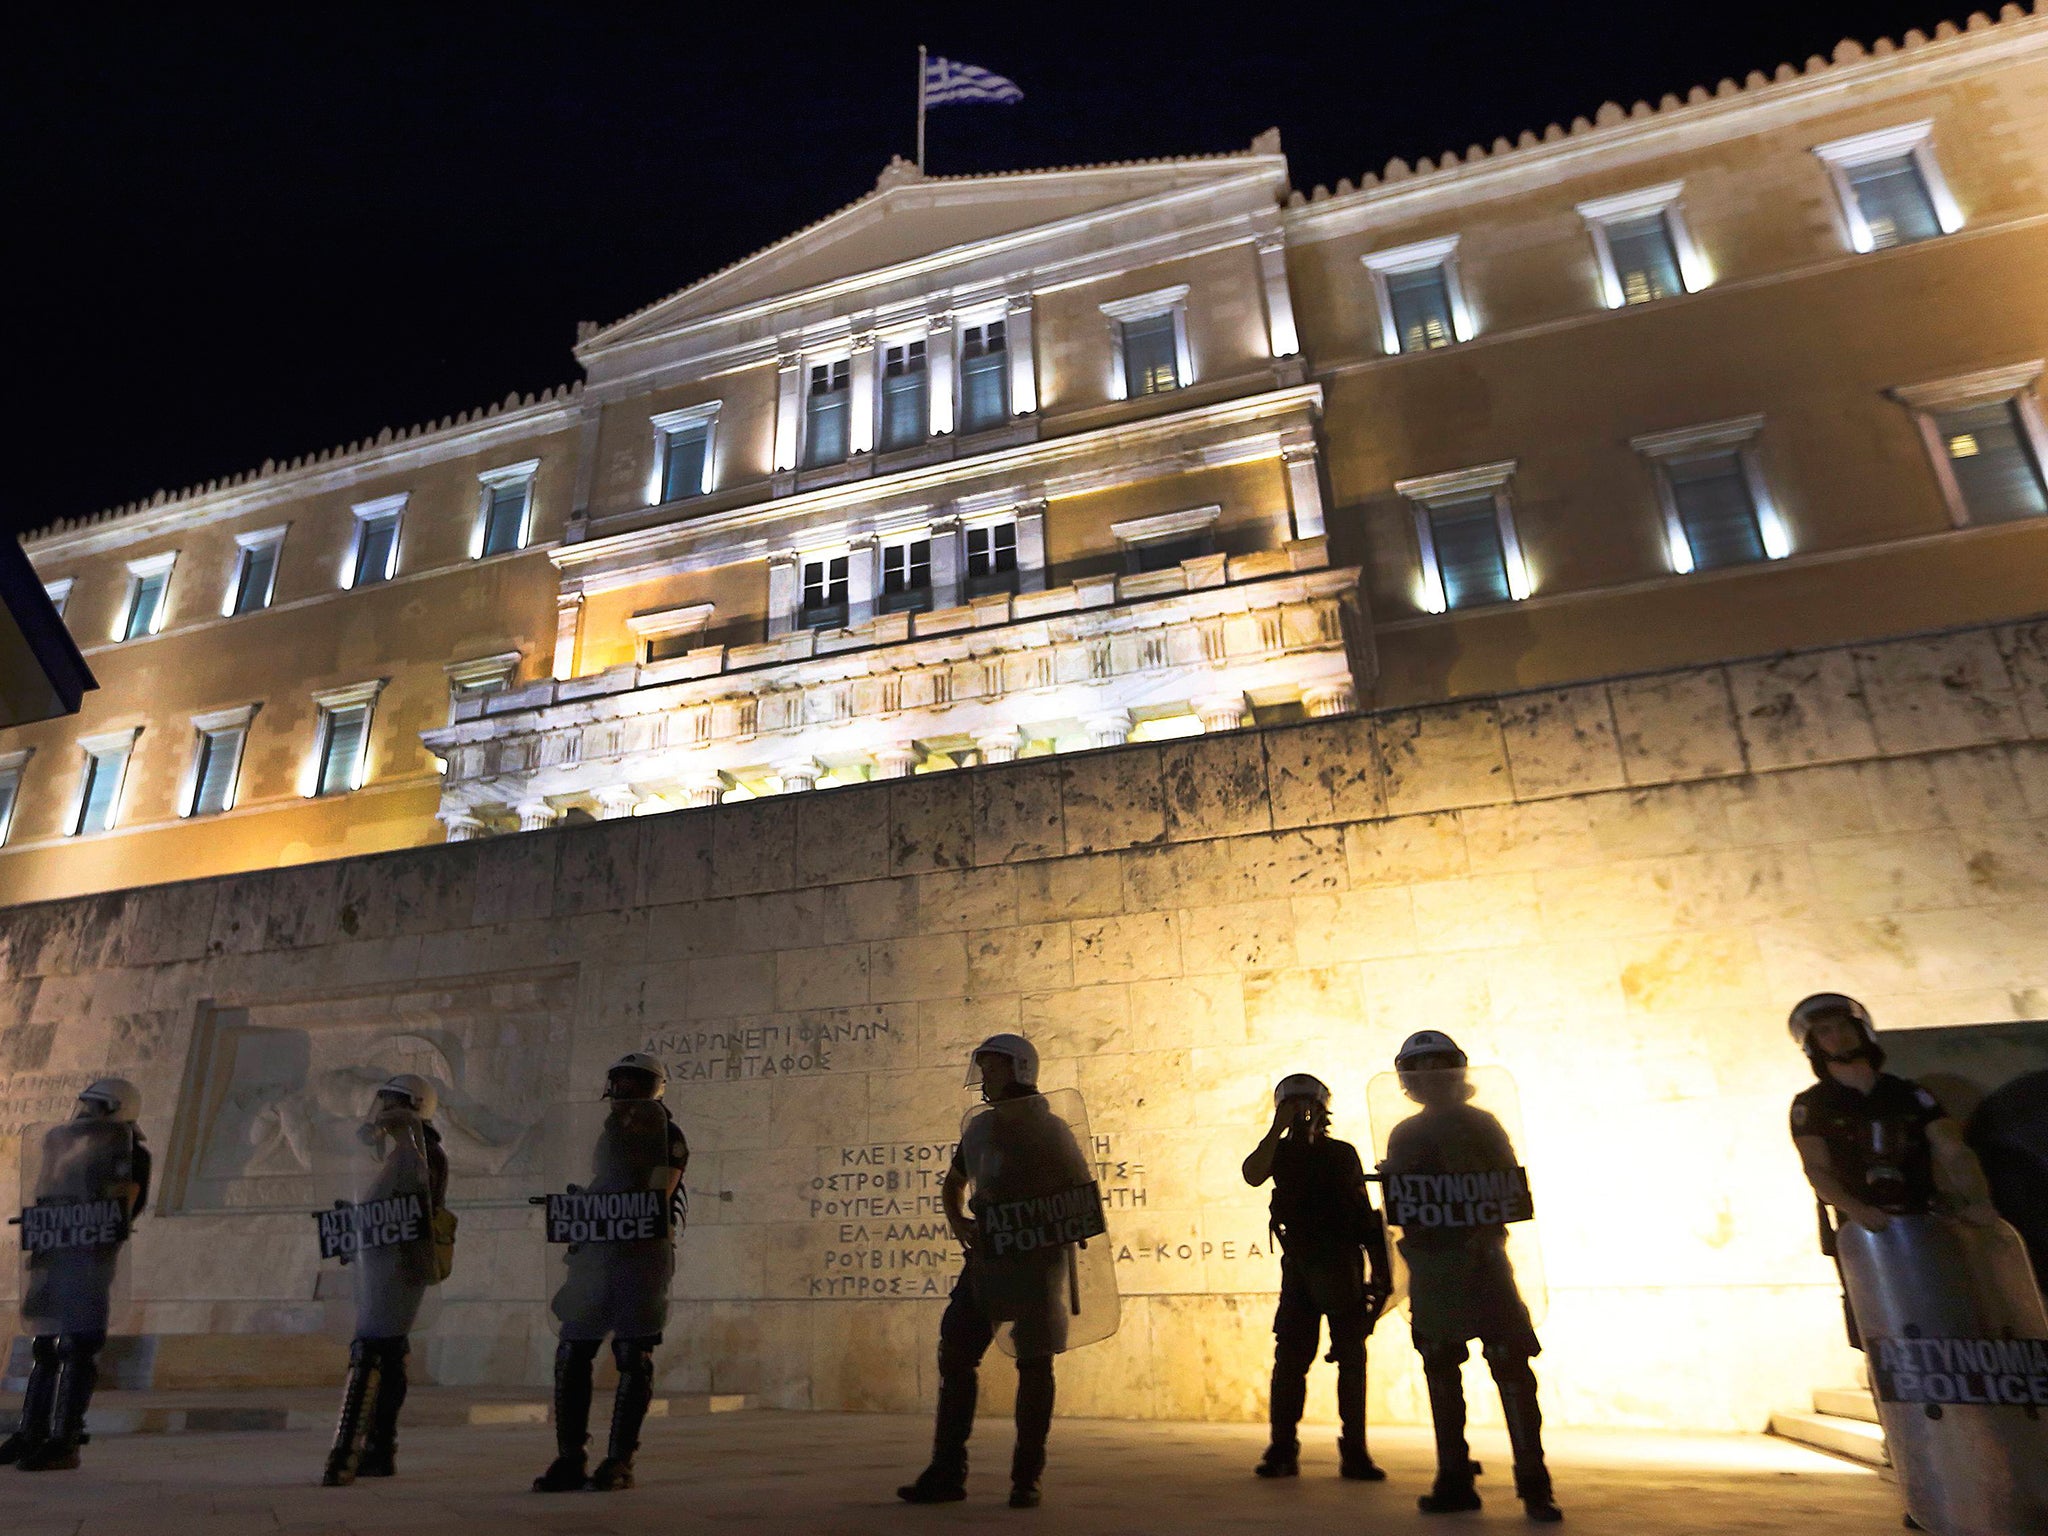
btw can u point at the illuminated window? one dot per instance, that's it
(217, 760)
(505, 516)
(1422, 305)
(1717, 506)
(907, 576)
(991, 558)
(1163, 542)
(824, 593)
(254, 578)
(375, 555)
(1151, 336)
(11, 766)
(1985, 436)
(1643, 246)
(682, 452)
(1890, 187)
(99, 790)
(905, 420)
(825, 413)
(1471, 554)
(342, 748)
(148, 581)
(984, 376)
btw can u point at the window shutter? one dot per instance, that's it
(343, 748)
(102, 781)
(373, 550)
(506, 518)
(1993, 463)
(142, 608)
(10, 788)
(1645, 260)
(1421, 301)
(220, 754)
(252, 591)
(1151, 360)
(1893, 199)
(1469, 559)
(682, 469)
(1714, 506)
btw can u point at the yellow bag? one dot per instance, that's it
(444, 1243)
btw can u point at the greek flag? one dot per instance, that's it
(946, 82)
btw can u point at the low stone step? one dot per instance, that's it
(1851, 1439)
(1846, 1403)
(158, 1413)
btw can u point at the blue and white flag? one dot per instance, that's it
(946, 82)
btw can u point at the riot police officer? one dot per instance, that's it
(1461, 1284)
(96, 1156)
(618, 1289)
(1328, 1229)
(400, 1154)
(1873, 1145)
(1021, 1143)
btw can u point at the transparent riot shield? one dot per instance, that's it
(1956, 1339)
(610, 1223)
(1042, 1267)
(78, 1196)
(1456, 1198)
(378, 1179)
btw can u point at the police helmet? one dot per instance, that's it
(1833, 1005)
(121, 1099)
(1023, 1056)
(1300, 1085)
(417, 1091)
(1430, 1043)
(640, 1061)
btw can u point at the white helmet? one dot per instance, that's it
(640, 1061)
(420, 1092)
(1823, 1005)
(1022, 1053)
(123, 1100)
(1429, 1042)
(1299, 1085)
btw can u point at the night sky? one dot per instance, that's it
(255, 234)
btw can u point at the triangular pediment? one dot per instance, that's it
(909, 218)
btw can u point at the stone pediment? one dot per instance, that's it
(910, 218)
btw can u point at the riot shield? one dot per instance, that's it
(375, 1225)
(78, 1194)
(1956, 1339)
(610, 1225)
(1042, 1267)
(1456, 1197)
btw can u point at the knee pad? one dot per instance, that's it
(77, 1347)
(1442, 1358)
(1509, 1363)
(575, 1351)
(1038, 1368)
(633, 1357)
(44, 1349)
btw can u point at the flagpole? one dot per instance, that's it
(920, 109)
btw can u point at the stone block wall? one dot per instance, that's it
(1614, 892)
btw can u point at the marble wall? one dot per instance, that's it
(1613, 892)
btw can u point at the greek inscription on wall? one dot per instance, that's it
(726, 1053)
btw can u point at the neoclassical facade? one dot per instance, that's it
(990, 467)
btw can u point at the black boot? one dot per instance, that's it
(380, 1440)
(1355, 1464)
(1455, 1468)
(568, 1471)
(629, 1411)
(36, 1403)
(1034, 1423)
(1280, 1460)
(356, 1394)
(945, 1480)
(1347, 1353)
(1517, 1383)
(78, 1372)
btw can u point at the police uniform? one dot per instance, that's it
(1327, 1230)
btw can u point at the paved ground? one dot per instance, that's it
(832, 1475)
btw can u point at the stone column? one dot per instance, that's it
(789, 405)
(709, 790)
(568, 632)
(998, 746)
(1023, 364)
(938, 360)
(1304, 481)
(463, 826)
(616, 802)
(799, 774)
(1325, 699)
(785, 594)
(535, 815)
(1110, 728)
(860, 400)
(946, 562)
(1031, 546)
(1224, 712)
(898, 760)
(1279, 300)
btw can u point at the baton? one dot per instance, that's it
(1073, 1285)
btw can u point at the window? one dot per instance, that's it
(1890, 187)
(991, 558)
(666, 633)
(682, 453)
(1422, 306)
(143, 613)
(478, 676)
(825, 413)
(1985, 436)
(907, 576)
(505, 518)
(984, 376)
(59, 593)
(341, 751)
(99, 791)
(375, 556)
(1717, 509)
(217, 760)
(255, 574)
(11, 766)
(824, 593)
(1163, 542)
(1151, 343)
(905, 421)
(1465, 533)
(1644, 249)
